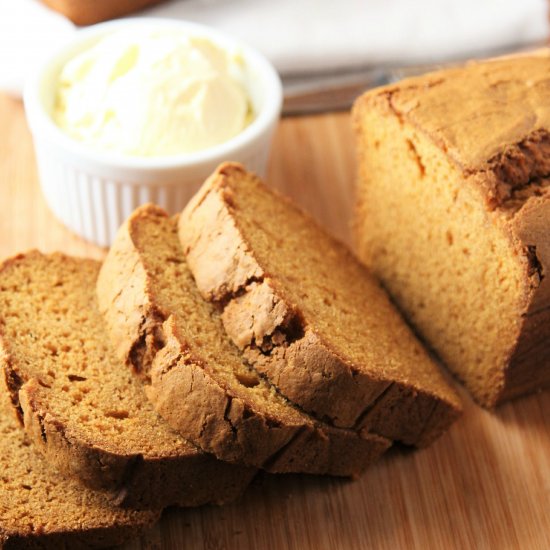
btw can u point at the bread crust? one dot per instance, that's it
(270, 330)
(193, 400)
(192, 478)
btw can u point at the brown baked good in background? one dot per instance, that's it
(308, 315)
(39, 508)
(80, 406)
(195, 376)
(88, 12)
(453, 214)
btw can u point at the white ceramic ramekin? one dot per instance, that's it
(93, 192)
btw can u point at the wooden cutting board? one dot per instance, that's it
(484, 485)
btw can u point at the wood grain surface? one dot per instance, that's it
(484, 485)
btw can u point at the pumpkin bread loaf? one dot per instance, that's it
(308, 316)
(39, 508)
(453, 214)
(195, 376)
(80, 406)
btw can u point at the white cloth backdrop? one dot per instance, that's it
(305, 36)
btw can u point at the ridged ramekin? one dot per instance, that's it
(92, 192)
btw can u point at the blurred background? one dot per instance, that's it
(325, 51)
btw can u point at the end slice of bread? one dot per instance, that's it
(453, 215)
(195, 376)
(78, 403)
(308, 315)
(40, 508)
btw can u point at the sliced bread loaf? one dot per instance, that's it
(453, 214)
(196, 377)
(308, 315)
(80, 406)
(39, 508)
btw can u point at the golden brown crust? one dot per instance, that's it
(231, 428)
(183, 476)
(498, 137)
(88, 12)
(195, 404)
(476, 133)
(275, 338)
(216, 415)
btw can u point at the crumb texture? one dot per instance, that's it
(79, 403)
(452, 215)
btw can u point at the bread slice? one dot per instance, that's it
(308, 315)
(453, 214)
(80, 406)
(40, 508)
(196, 377)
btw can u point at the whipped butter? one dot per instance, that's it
(152, 93)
